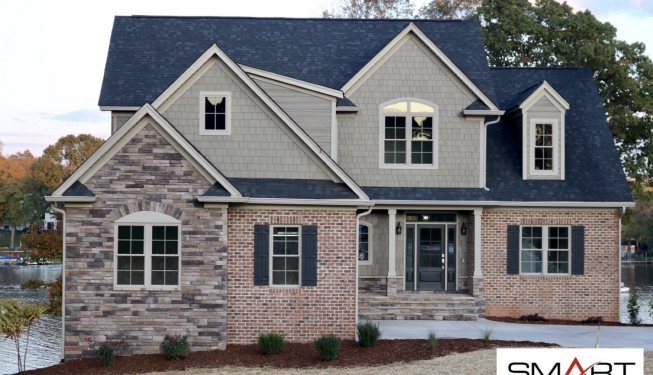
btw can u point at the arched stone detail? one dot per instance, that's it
(132, 207)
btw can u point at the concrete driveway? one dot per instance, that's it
(567, 336)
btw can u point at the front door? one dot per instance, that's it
(430, 257)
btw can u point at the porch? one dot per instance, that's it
(421, 305)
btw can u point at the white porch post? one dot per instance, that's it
(478, 213)
(392, 242)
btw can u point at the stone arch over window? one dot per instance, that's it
(408, 134)
(132, 207)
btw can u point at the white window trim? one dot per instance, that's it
(556, 147)
(545, 248)
(370, 245)
(271, 255)
(147, 253)
(436, 132)
(227, 130)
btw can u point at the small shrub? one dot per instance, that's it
(103, 350)
(534, 318)
(432, 339)
(368, 334)
(486, 334)
(271, 343)
(327, 346)
(633, 309)
(593, 320)
(176, 347)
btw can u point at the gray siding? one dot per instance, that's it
(379, 266)
(310, 112)
(118, 119)
(259, 145)
(543, 109)
(410, 72)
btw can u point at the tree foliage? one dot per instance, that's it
(54, 293)
(16, 166)
(17, 318)
(46, 244)
(378, 9)
(449, 9)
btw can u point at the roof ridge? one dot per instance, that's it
(300, 18)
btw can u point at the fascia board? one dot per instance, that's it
(561, 204)
(543, 90)
(80, 199)
(284, 201)
(471, 112)
(118, 108)
(292, 81)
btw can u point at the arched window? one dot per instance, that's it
(147, 251)
(364, 243)
(409, 132)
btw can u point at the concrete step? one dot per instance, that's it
(418, 316)
(419, 306)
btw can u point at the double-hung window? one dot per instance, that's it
(286, 255)
(408, 135)
(544, 149)
(545, 250)
(215, 113)
(147, 254)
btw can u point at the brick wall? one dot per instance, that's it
(301, 314)
(146, 175)
(596, 293)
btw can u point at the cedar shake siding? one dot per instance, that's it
(147, 174)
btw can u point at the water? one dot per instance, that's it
(639, 277)
(45, 340)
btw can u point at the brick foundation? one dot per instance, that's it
(596, 293)
(301, 314)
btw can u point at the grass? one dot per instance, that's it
(432, 339)
(5, 238)
(486, 334)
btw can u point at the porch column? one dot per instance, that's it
(477, 287)
(392, 242)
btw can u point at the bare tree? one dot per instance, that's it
(377, 9)
(450, 9)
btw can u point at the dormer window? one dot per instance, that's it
(544, 141)
(215, 113)
(408, 135)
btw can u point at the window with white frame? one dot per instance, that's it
(545, 250)
(364, 243)
(147, 253)
(408, 135)
(544, 147)
(285, 255)
(215, 113)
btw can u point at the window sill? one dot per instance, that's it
(403, 166)
(365, 263)
(545, 276)
(215, 132)
(146, 289)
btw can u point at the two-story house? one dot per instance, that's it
(295, 175)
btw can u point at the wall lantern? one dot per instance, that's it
(398, 228)
(463, 230)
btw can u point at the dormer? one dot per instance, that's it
(542, 112)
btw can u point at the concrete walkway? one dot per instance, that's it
(567, 336)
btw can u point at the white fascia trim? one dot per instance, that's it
(415, 30)
(560, 204)
(292, 81)
(241, 199)
(124, 130)
(476, 112)
(283, 201)
(61, 198)
(215, 50)
(543, 90)
(118, 108)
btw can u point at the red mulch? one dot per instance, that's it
(562, 322)
(292, 356)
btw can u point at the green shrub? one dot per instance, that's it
(176, 347)
(486, 334)
(633, 309)
(327, 346)
(271, 343)
(432, 339)
(368, 334)
(103, 350)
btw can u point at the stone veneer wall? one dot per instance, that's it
(148, 174)
(576, 297)
(301, 314)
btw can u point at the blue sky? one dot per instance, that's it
(53, 55)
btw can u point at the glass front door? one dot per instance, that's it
(430, 257)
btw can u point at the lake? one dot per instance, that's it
(639, 278)
(45, 340)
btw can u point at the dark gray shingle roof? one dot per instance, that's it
(77, 189)
(285, 188)
(146, 54)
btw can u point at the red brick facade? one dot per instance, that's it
(301, 314)
(596, 293)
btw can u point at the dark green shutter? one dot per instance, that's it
(261, 255)
(578, 250)
(309, 255)
(513, 249)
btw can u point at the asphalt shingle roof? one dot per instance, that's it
(146, 53)
(285, 188)
(77, 189)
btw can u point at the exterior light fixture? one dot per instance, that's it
(398, 228)
(463, 230)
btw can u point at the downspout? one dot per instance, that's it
(63, 283)
(485, 158)
(357, 229)
(622, 212)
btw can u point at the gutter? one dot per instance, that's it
(369, 210)
(485, 146)
(622, 212)
(71, 199)
(287, 201)
(63, 283)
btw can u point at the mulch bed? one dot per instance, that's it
(292, 356)
(562, 322)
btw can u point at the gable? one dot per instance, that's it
(260, 145)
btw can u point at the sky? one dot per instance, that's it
(52, 55)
